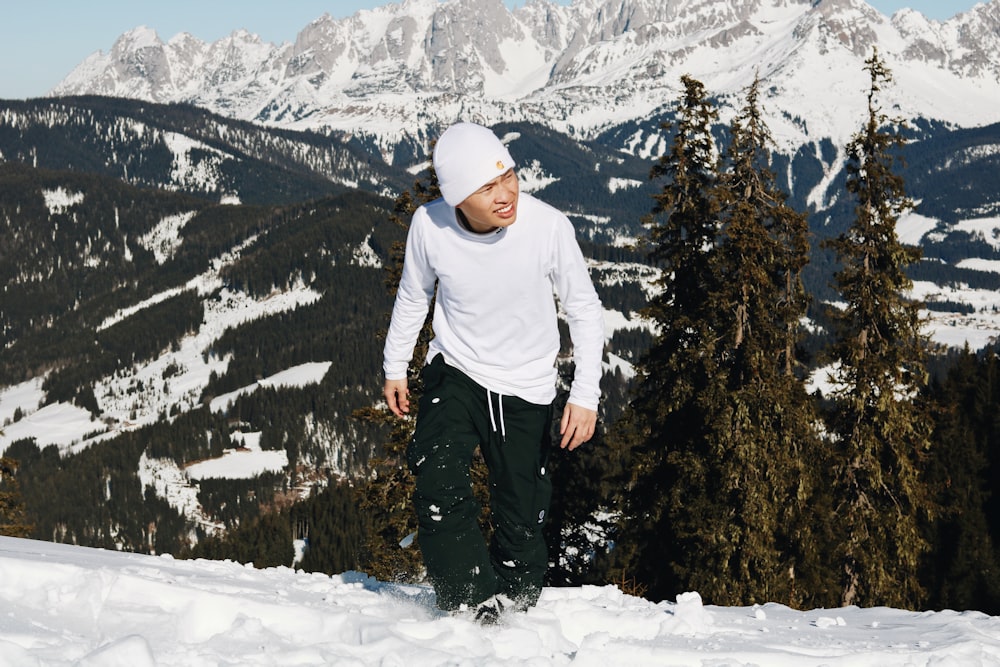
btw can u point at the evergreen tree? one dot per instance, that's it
(759, 525)
(390, 553)
(580, 530)
(661, 530)
(332, 529)
(726, 496)
(13, 516)
(880, 423)
(962, 571)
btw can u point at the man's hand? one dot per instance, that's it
(397, 395)
(577, 426)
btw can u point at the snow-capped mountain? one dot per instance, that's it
(402, 69)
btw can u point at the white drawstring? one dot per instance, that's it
(493, 421)
(503, 428)
(489, 402)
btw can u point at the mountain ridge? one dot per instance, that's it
(401, 71)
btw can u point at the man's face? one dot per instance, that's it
(493, 205)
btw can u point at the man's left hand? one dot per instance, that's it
(577, 426)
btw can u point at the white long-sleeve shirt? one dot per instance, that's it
(495, 315)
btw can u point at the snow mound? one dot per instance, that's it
(68, 605)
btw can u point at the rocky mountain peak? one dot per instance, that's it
(396, 70)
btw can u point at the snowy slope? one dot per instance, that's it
(66, 605)
(400, 70)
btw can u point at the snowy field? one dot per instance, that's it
(66, 605)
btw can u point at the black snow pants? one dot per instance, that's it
(457, 415)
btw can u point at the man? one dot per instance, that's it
(494, 255)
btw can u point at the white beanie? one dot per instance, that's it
(466, 157)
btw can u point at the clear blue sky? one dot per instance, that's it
(41, 41)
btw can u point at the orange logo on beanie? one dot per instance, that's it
(499, 164)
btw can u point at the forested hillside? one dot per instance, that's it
(127, 305)
(180, 147)
(83, 254)
(182, 290)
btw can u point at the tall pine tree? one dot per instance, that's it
(661, 536)
(880, 423)
(759, 525)
(390, 552)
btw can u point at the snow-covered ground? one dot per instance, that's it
(66, 605)
(72, 428)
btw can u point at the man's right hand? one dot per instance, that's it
(397, 395)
